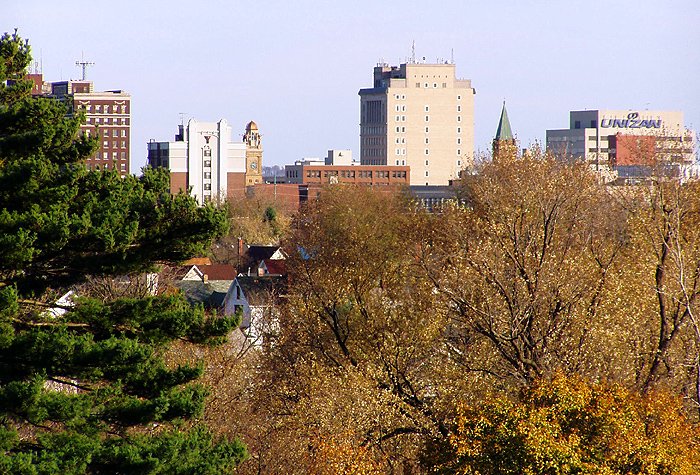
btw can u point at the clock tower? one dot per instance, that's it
(253, 154)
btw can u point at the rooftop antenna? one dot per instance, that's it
(84, 64)
(182, 117)
(452, 56)
(413, 52)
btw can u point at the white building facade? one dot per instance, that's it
(204, 159)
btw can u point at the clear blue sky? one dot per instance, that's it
(295, 67)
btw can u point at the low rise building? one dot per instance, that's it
(338, 167)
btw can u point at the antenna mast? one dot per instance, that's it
(413, 51)
(84, 64)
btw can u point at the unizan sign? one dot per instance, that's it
(631, 122)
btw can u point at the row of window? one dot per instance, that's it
(115, 144)
(373, 152)
(97, 166)
(108, 120)
(107, 109)
(373, 130)
(435, 85)
(106, 133)
(105, 156)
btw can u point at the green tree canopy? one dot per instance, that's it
(89, 391)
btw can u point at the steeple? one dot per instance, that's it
(504, 132)
(504, 143)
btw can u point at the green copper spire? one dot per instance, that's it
(504, 132)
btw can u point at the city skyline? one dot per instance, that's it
(296, 69)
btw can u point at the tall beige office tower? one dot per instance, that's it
(419, 115)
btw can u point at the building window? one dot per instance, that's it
(459, 163)
(207, 163)
(459, 152)
(123, 132)
(105, 144)
(427, 118)
(105, 155)
(459, 108)
(398, 117)
(426, 140)
(403, 129)
(417, 84)
(123, 143)
(426, 163)
(426, 174)
(426, 85)
(577, 124)
(459, 141)
(123, 167)
(427, 130)
(427, 152)
(122, 155)
(427, 109)
(459, 118)
(115, 133)
(114, 155)
(444, 85)
(459, 130)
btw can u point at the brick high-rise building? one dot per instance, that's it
(108, 114)
(421, 116)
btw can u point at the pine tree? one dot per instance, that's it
(89, 391)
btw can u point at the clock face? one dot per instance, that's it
(254, 165)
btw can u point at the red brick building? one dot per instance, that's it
(108, 115)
